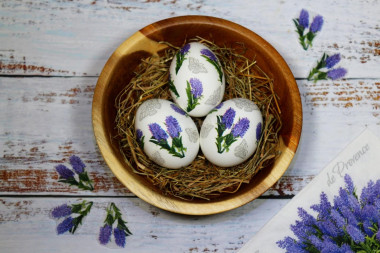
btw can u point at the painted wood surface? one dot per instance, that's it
(25, 225)
(46, 120)
(76, 37)
(51, 53)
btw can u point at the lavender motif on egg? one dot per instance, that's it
(180, 57)
(211, 58)
(258, 131)
(160, 137)
(177, 109)
(140, 138)
(225, 122)
(194, 90)
(172, 87)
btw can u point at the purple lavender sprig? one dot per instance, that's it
(211, 58)
(174, 130)
(194, 90)
(160, 137)
(224, 122)
(349, 224)
(258, 131)
(324, 69)
(307, 33)
(238, 130)
(177, 109)
(120, 232)
(180, 56)
(71, 223)
(140, 138)
(68, 176)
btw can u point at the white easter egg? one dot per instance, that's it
(196, 80)
(168, 136)
(230, 133)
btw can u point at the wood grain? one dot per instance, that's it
(153, 230)
(42, 129)
(40, 34)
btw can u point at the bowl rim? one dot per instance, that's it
(169, 203)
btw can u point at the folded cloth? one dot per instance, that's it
(338, 203)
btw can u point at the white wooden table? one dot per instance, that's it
(51, 53)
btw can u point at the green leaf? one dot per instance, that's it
(84, 177)
(75, 208)
(173, 88)
(70, 181)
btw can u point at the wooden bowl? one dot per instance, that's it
(119, 70)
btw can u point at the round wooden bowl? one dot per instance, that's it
(119, 70)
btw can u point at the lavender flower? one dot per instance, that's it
(77, 164)
(350, 225)
(139, 134)
(258, 131)
(331, 61)
(157, 132)
(329, 247)
(307, 34)
(177, 109)
(317, 23)
(323, 71)
(64, 172)
(180, 57)
(196, 87)
(304, 18)
(219, 106)
(355, 233)
(228, 118)
(119, 235)
(185, 49)
(211, 58)
(160, 136)
(172, 126)
(240, 128)
(67, 176)
(291, 245)
(337, 218)
(65, 225)
(206, 52)
(337, 73)
(105, 234)
(120, 232)
(61, 211)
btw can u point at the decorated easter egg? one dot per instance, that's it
(167, 135)
(196, 79)
(230, 133)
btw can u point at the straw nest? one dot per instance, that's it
(201, 179)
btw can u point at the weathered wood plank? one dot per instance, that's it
(75, 38)
(24, 222)
(46, 120)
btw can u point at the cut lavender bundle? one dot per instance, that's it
(307, 33)
(324, 69)
(68, 176)
(349, 224)
(73, 216)
(120, 232)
